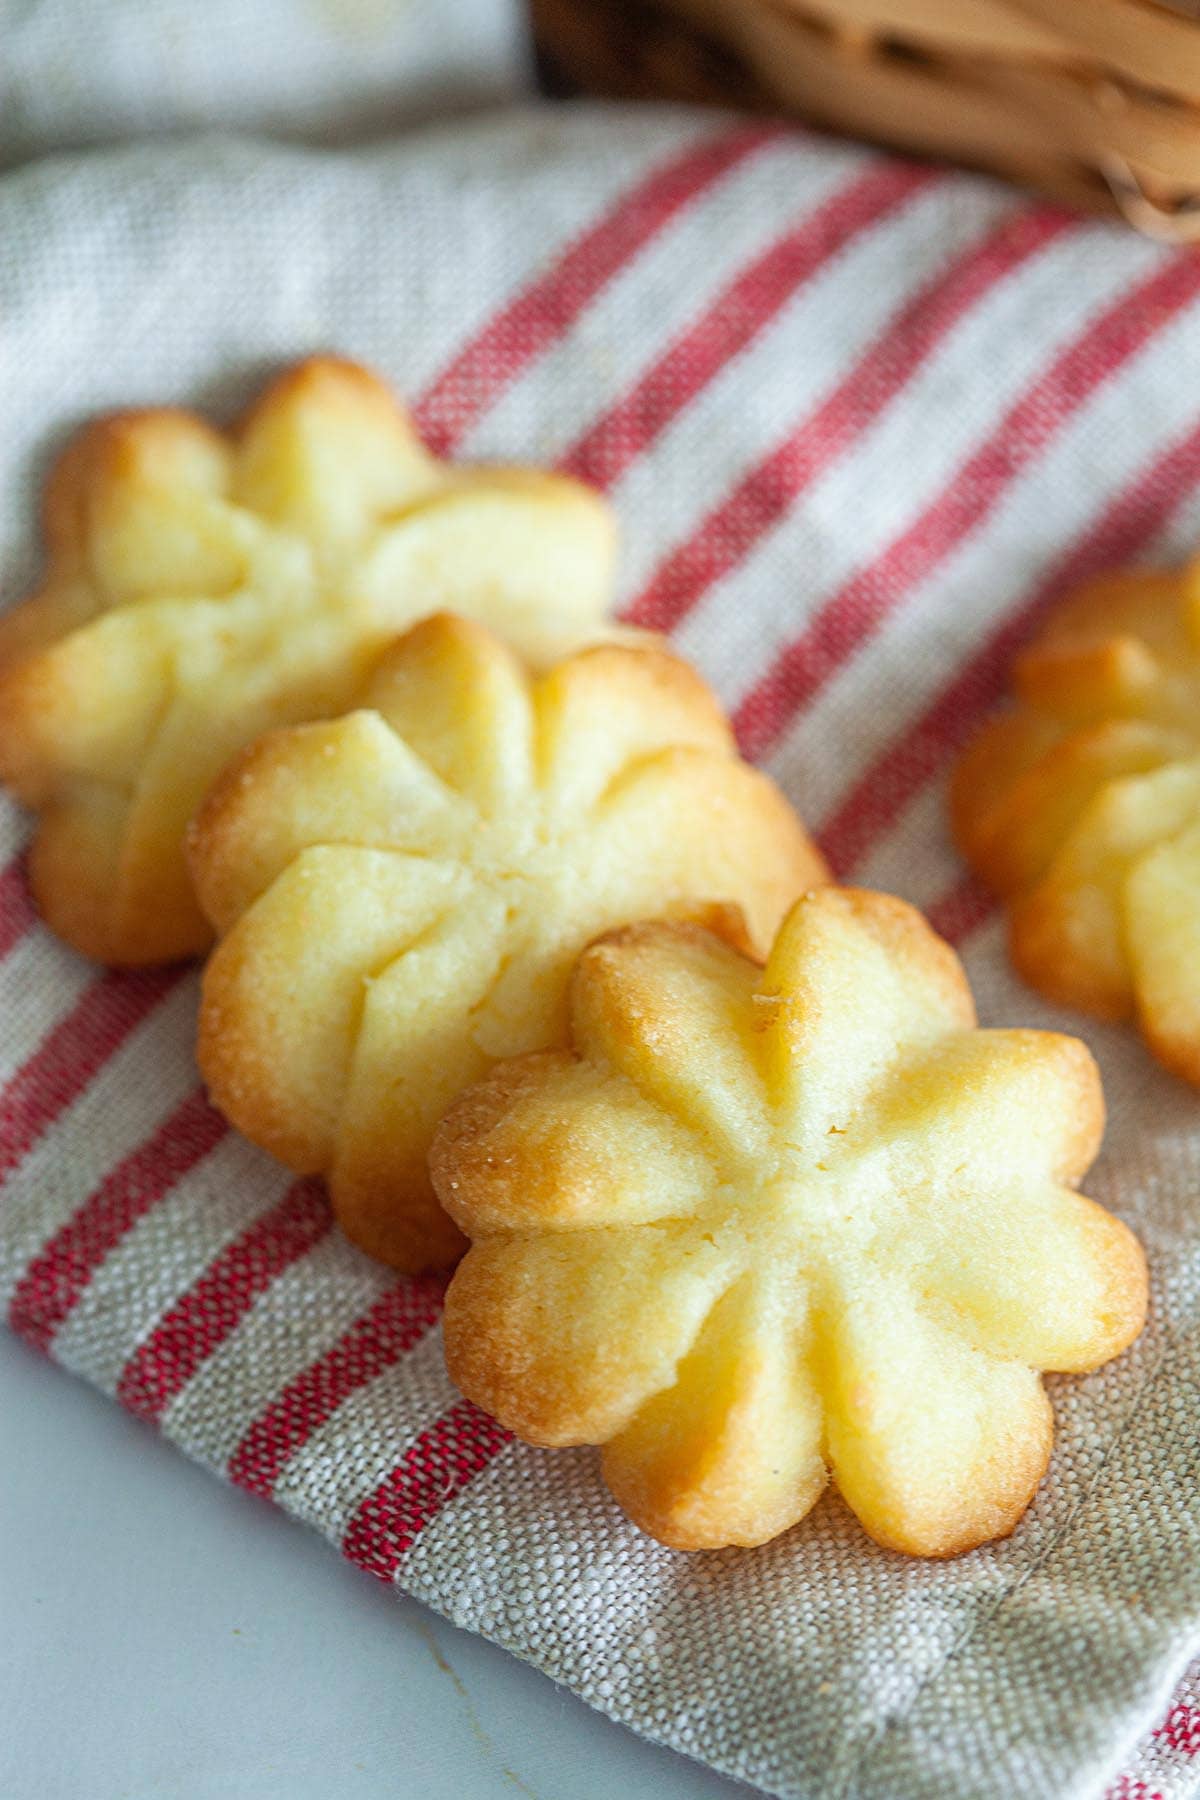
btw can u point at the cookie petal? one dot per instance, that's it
(150, 511)
(1118, 676)
(51, 732)
(131, 494)
(1037, 1273)
(276, 1050)
(552, 1143)
(563, 1337)
(856, 982)
(532, 554)
(1141, 603)
(1069, 934)
(348, 781)
(75, 867)
(1162, 914)
(601, 713)
(1023, 833)
(414, 1053)
(935, 1445)
(690, 824)
(731, 1452)
(462, 702)
(671, 1007)
(983, 1107)
(993, 763)
(326, 452)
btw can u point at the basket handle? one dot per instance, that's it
(1179, 224)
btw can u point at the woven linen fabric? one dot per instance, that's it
(76, 72)
(861, 420)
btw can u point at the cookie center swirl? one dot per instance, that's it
(542, 912)
(809, 1205)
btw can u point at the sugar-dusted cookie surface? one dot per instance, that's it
(203, 587)
(1081, 806)
(402, 892)
(759, 1226)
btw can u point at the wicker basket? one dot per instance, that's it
(1096, 102)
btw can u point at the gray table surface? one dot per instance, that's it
(167, 1638)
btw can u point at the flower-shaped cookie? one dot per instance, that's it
(1082, 808)
(201, 588)
(761, 1225)
(402, 893)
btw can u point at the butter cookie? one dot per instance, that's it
(756, 1227)
(1081, 807)
(203, 587)
(401, 893)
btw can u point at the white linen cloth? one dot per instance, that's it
(78, 72)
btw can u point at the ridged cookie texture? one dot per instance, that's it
(1081, 807)
(759, 1226)
(201, 588)
(401, 893)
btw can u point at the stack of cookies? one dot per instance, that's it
(510, 946)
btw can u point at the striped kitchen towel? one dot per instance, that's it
(862, 421)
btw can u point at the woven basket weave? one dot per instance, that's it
(1096, 102)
